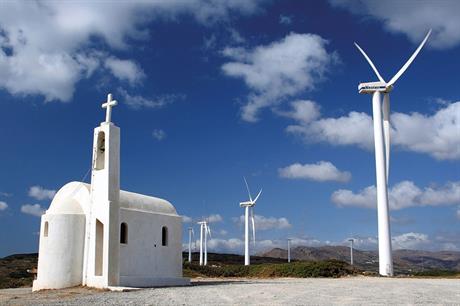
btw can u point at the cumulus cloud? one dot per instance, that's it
(186, 219)
(46, 47)
(322, 171)
(279, 70)
(402, 195)
(40, 193)
(125, 70)
(413, 18)
(159, 134)
(266, 223)
(3, 205)
(214, 218)
(138, 102)
(410, 241)
(352, 129)
(33, 209)
(440, 137)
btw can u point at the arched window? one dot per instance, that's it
(164, 236)
(100, 152)
(45, 231)
(124, 233)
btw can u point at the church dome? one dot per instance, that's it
(72, 198)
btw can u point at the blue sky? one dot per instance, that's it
(211, 91)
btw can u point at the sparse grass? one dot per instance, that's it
(438, 273)
(302, 269)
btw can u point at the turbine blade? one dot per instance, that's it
(370, 63)
(209, 231)
(247, 187)
(386, 131)
(257, 196)
(253, 227)
(409, 61)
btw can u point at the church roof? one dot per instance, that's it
(74, 198)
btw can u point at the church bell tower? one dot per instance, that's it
(102, 266)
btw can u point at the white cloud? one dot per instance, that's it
(411, 240)
(138, 102)
(125, 70)
(285, 19)
(352, 129)
(402, 195)
(266, 223)
(159, 134)
(279, 70)
(46, 47)
(413, 18)
(33, 209)
(40, 193)
(458, 213)
(414, 241)
(186, 219)
(223, 232)
(214, 218)
(3, 205)
(322, 171)
(437, 135)
(440, 137)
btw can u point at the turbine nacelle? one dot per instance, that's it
(371, 87)
(247, 203)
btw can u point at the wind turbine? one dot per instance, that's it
(382, 152)
(204, 232)
(289, 249)
(351, 250)
(191, 234)
(207, 230)
(249, 208)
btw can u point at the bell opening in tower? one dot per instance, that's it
(100, 152)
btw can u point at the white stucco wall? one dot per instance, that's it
(144, 255)
(60, 262)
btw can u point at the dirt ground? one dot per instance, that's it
(284, 291)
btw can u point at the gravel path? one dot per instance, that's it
(287, 291)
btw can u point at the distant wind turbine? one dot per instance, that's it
(382, 152)
(191, 236)
(204, 232)
(351, 250)
(249, 209)
(289, 249)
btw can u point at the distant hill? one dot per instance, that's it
(13, 270)
(405, 261)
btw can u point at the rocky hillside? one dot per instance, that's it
(405, 261)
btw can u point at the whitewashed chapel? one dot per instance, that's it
(100, 236)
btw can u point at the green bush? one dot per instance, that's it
(327, 268)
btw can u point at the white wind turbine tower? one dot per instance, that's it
(207, 231)
(249, 208)
(204, 232)
(289, 249)
(191, 236)
(382, 152)
(351, 250)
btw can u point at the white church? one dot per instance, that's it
(100, 236)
